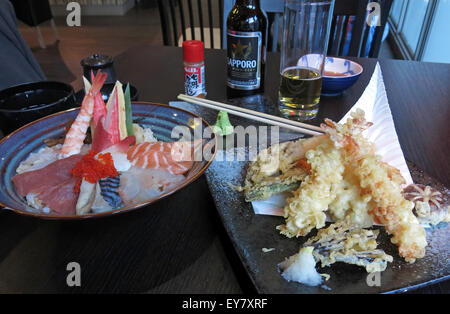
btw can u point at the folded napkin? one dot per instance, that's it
(375, 104)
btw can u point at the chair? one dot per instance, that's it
(178, 25)
(33, 13)
(361, 34)
(347, 14)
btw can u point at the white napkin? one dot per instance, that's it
(375, 104)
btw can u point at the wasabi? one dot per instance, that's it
(223, 126)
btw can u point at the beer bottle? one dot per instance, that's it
(246, 48)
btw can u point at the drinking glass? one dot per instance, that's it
(306, 30)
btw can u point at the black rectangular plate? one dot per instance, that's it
(250, 233)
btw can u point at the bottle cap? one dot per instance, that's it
(193, 51)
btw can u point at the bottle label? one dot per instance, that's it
(194, 80)
(244, 59)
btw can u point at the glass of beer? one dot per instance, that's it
(306, 32)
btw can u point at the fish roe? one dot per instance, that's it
(93, 167)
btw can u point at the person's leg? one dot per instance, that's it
(17, 63)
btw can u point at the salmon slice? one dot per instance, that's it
(175, 158)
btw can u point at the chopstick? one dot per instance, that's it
(254, 115)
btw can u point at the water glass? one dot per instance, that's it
(306, 29)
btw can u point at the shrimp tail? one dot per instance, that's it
(97, 83)
(77, 133)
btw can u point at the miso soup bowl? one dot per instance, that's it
(25, 103)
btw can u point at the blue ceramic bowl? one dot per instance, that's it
(17, 146)
(339, 75)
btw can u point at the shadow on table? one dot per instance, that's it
(133, 252)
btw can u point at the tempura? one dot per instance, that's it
(347, 180)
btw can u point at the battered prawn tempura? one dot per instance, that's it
(348, 181)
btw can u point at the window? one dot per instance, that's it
(437, 46)
(396, 11)
(420, 29)
(413, 23)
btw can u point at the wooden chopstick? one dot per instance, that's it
(254, 115)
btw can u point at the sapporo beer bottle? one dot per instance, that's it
(246, 48)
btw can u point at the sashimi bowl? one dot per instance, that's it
(165, 124)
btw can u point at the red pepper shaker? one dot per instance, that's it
(194, 68)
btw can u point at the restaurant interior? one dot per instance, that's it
(210, 229)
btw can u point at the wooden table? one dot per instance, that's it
(179, 245)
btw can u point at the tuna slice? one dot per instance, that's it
(53, 185)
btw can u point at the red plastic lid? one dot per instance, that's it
(193, 51)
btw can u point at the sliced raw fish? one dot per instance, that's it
(60, 198)
(47, 177)
(100, 205)
(139, 185)
(175, 158)
(85, 197)
(109, 187)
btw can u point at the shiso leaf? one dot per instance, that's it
(343, 242)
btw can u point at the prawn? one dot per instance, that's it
(77, 133)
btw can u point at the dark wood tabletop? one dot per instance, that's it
(179, 245)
